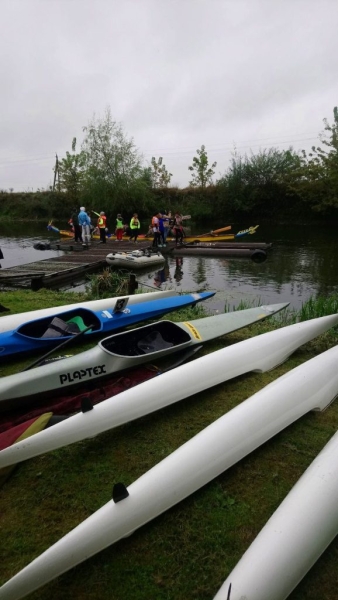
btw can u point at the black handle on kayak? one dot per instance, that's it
(62, 345)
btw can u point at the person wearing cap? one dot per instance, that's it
(119, 228)
(84, 222)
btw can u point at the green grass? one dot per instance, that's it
(187, 552)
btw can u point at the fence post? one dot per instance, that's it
(132, 284)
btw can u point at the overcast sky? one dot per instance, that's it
(176, 73)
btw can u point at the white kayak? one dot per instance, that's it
(9, 322)
(122, 351)
(137, 259)
(294, 537)
(311, 386)
(260, 353)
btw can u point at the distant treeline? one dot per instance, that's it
(108, 174)
(270, 201)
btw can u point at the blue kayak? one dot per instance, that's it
(49, 332)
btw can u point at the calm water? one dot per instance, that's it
(301, 263)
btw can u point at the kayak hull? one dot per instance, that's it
(312, 386)
(9, 322)
(259, 353)
(38, 335)
(294, 537)
(123, 351)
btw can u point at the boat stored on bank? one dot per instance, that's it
(294, 538)
(8, 322)
(260, 353)
(49, 332)
(311, 386)
(122, 351)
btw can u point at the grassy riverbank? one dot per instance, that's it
(187, 552)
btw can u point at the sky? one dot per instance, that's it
(229, 74)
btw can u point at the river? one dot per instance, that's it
(301, 263)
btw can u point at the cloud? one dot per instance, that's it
(177, 74)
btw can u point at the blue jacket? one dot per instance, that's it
(83, 218)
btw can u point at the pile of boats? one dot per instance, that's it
(301, 528)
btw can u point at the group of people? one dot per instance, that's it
(161, 225)
(83, 227)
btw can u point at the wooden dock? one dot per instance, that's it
(79, 261)
(76, 263)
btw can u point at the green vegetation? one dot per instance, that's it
(108, 173)
(188, 551)
(201, 172)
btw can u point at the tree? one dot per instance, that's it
(202, 173)
(113, 163)
(71, 171)
(316, 181)
(258, 181)
(159, 174)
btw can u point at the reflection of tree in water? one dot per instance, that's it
(303, 270)
(199, 274)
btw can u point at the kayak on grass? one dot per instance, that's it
(93, 393)
(260, 353)
(48, 332)
(122, 351)
(13, 321)
(294, 538)
(311, 386)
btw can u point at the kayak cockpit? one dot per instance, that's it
(147, 340)
(66, 324)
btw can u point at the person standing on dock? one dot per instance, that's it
(102, 225)
(164, 221)
(177, 228)
(134, 228)
(119, 228)
(77, 229)
(155, 225)
(84, 222)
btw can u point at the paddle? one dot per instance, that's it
(215, 231)
(62, 345)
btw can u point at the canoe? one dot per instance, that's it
(137, 259)
(217, 234)
(13, 321)
(248, 231)
(122, 351)
(260, 353)
(294, 537)
(145, 238)
(91, 394)
(311, 386)
(49, 332)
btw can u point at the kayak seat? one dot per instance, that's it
(79, 322)
(153, 342)
(59, 328)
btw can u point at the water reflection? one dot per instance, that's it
(301, 264)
